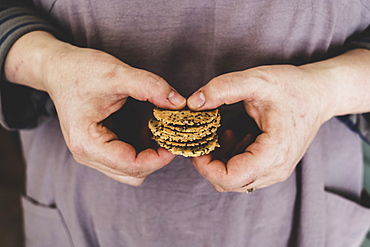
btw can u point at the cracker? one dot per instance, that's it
(185, 132)
(185, 117)
(192, 143)
(194, 128)
(182, 138)
(162, 130)
(193, 151)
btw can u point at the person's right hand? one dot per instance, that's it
(87, 86)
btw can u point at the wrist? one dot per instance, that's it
(30, 58)
(344, 81)
(322, 77)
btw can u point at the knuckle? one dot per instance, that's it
(135, 171)
(221, 87)
(111, 165)
(154, 84)
(153, 80)
(206, 174)
(219, 188)
(282, 159)
(283, 174)
(78, 158)
(265, 75)
(113, 72)
(74, 141)
(124, 179)
(76, 148)
(151, 85)
(225, 186)
(283, 169)
(251, 176)
(135, 182)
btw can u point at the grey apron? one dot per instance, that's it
(188, 43)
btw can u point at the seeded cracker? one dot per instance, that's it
(193, 128)
(185, 132)
(193, 151)
(197, 142)
(164, 132)
(185, 117)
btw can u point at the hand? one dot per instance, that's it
(288, 103)
(87, 86)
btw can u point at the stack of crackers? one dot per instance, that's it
(185, 132)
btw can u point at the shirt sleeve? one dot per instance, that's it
(359, 123)
(21, 107)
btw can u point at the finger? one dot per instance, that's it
(245, 170)
(125, 179)
(130, 164)
(215, 171)
(227, 143)
(146, 86)
(243, 144)
(204, 165)
(275, 175)
(218, 174)
(103, 151)
(263, 163)
(145, 139)
(224, 89)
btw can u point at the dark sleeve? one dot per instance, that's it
(21, 107)
(359, 123)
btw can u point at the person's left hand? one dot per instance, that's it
(288, 103)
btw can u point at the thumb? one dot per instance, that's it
(224, 89)
(146, 86)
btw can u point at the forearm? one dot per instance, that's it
(18, 19)
(347, 80)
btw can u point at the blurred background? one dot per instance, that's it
(12, 175)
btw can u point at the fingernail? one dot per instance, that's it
(197, 100)
(176, 99)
